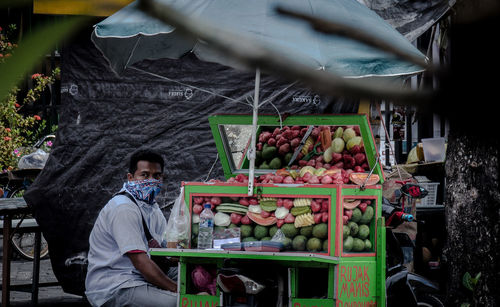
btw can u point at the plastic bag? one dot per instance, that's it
(279, 236)
(35, 159)
(177, 233)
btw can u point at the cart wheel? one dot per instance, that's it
(24, 245)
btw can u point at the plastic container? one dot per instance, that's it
(434, 149)
(232, 246)
(206, 228)
(263, 246)
(430, 199)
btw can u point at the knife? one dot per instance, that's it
(302, 142)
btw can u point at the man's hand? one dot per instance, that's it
(151, 272)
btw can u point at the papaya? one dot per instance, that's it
(359, 178)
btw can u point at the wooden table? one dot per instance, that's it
(8, 208)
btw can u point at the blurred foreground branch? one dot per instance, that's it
(254, 55)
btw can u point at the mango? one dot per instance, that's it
(307, 169)
(338, 132)
(348, 134)
(338, 145)
(357, 140)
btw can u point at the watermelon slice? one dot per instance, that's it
(351, 204)
(263, 221)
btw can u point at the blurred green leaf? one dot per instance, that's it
(14, 3)
(467, 281)
(35, 45)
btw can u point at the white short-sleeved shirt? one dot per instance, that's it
(118, 230)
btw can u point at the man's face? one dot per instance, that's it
(146, 170)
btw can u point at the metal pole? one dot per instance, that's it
(7, 226)
(251, 152)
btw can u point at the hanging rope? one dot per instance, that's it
(212, 168)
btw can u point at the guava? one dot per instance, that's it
(306, 231)
(347, 231)
(358, 245)
(273, 230)
(368, 245)
(320, 231)
(348, 244)
(367, 216)
(354, 228)
(356, 215)
(287, 243)
(289, 230)
(364, 232)
(314, 245)
(246, 231)
(260, 232)
(299, 243)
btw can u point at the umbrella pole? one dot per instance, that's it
(251, 153)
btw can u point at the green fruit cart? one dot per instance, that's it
(317, 193)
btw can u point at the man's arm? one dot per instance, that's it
(151, 272)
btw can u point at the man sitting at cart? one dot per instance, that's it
(120, 271)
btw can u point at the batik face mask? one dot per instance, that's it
(145, 190)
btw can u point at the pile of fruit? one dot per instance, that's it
(304, 221)
(340, 147)
(311, 175)
(357, 218)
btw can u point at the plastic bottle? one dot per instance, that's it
(206, 229)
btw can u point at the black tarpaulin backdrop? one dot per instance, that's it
(104, 118)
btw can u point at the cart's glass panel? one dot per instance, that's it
(304, 222)
(358, 225)
(236, 140)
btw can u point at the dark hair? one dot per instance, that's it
(145, 155)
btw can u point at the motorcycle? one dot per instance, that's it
(402, 286)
